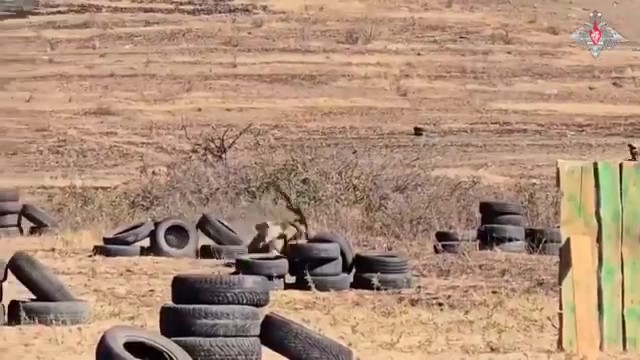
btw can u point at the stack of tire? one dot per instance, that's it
(502, 227)
(544, 241)
(323, 263)
(273, 268)
(53, 304)
(227, 243)
(381, 271)
(216, 316)
(171, 237)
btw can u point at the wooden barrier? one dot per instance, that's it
(600, 257)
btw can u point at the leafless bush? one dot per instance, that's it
(377, 206)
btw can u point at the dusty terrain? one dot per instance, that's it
(106, 117)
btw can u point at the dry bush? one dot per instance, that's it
(377, 204)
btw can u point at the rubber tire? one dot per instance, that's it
(340, 282)
(10, 221)
(129, 234)
(539, 236)
(520, 247)
(316, 267)
(39, 231)
(491, 235)
(38, 278)
(453, 247)
(346, 250)
(446, 236)
(10, 207)
(117, 251)
(218, 231)
(382, 281)
(4, 272)
(209, 321)
(381, 262)
(24, 312)
(265, 265)
(208, 289)
(160, 247)
(146, 345)
(296, 342)
(508, 219)
(314, 251)
(221, 348)
(223, 252)
(493, 208)
(37, 216)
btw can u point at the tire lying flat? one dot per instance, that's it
(24, 312)
(221, 348)
(207, 321)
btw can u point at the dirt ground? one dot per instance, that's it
(93, 90)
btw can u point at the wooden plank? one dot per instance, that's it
(585, 285)
(630, 192)
(609, 214)
(576, 180)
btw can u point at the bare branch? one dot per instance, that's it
(296, 210)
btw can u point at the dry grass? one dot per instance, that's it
(108, 119)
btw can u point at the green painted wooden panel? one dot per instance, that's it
(630, 191)
(610, 240)
(576, 180)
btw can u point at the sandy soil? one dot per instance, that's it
(87, 97)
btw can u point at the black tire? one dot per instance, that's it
(39, 279)
(513, 247)
(539, 236)
(23, 312)
(174, 237)
(117, 251)
(381, 262)
(340, 282)
(446, 236)
(316, 267)
(7, 195)
(382, 281)
(4, 272)
(346, 250)
(296, 342)
(223, 252)
(314, 251)
(9, 220)
(129, 234)
(209, 321)
(493, 208)
(221, 348)
(3, 314)
(454, 247)
(508, 219)
(491, 235)
(218, 231)
(10, 207)
(265, 265)
(129, 343)
(37, 216)
(206, 289)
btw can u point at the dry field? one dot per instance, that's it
(108, 112)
